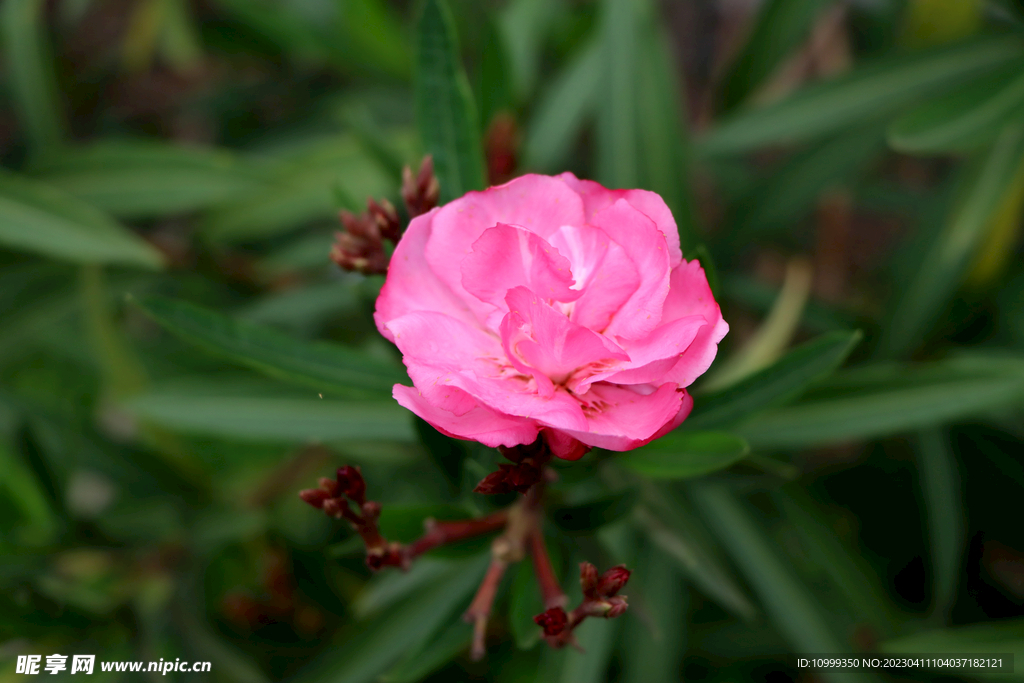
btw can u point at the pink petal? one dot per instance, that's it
(505, 257)
(690, 295)
(651, 359)
(620, 419)
(539, 204)
(595, 198)
(411, 285)
(440, 351)
(603, 271)
(479, 423)
(548, 343)
(645, 246)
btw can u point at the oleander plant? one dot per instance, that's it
(582, 341)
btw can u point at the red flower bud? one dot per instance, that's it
(613, 580)
(335, 507)
(329, 485)
(617, 607)
(553, 621)
(314, 497)
(588, 580)
(351, 484)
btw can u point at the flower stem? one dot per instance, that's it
(480, 609)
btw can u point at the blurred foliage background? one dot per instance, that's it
(178, 356)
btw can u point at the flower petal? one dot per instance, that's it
(645, 246)
(595, 198)
(547, 342)
(505, 257)
(440, 351)
(690, 295)
(539, 204)
(479, 423)
(619, 419)
(412, 285)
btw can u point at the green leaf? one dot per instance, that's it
(788, 603)
(882, 400)
(445, 112)
(618, 153)
(415, 666)
(1005, 637)
(280, 24)
(681, 455)
(379, 644)
(302, 189)
(321, 366)
(37, 218)
(777, 384)
(663, 139)
(149, 179)
(780, 27)
(654, 639)
(852, 576)
(271, 418)
(594, 514)
(562, 109)
(384, 590)
(871, 91)
(940, 486)
(947, 258)
(376, 38)
(524, 604)
(964, 118)
(665, 520)
(29, 68)
(793, 190)
(597, 642)
(523, 25)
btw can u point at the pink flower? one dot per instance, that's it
(549, 305)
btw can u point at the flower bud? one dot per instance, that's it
(335, 507)
(314, 497)
(588, 580)
(553, 621)
(351, 484)
(613, 580)
(329, 485)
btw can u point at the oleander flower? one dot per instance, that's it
(549, 305)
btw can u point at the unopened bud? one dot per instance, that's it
(335, 507)
(351, 484)
(314, 497)
(553, 621)
(420, 193)
(329, 485)
(386, 217)
(613, 580)
(588, 580)
(371, 510)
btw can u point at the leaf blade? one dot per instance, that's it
(682, 455)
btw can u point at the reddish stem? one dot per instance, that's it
(441, 533)
(480, 609)
(549, 588)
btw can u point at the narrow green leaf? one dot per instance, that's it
(618, 153)
(302, 188)
(964, 118)
(883, 400)
(445, 112)
(681, 455)
(586, 517)
(37, 218)
(870, 91)
(280, 24)
(793, 190)
(597, 642)
(269, 418)
(379, 644)
(653, 644)
(1005, 637)
(777, 384)
(790, 606)
(780, 26)
(563, 108)
(524, 604)
(29, 68)
(415, 666)
(940, 486)
(147, 179)
(376, 37)
(865, 596)
(676, 533)
(321, 366)
(663, 138)
(385, 590)
(947, 258)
